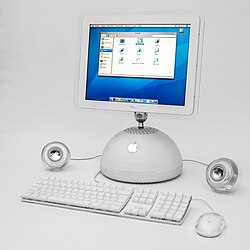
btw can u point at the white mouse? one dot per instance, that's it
(210, 225)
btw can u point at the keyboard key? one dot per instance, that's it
(178, 216)
(127, 211)
(142, 212)
(94, 205)
(149, 201)
(169, 216)
(134, 211)
(122, 199)
(157, 215)
(104, 207)
(142, 200)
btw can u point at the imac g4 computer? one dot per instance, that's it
(143, 64)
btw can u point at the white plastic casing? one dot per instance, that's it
(210, 225)
(141, 156)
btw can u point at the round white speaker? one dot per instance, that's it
(55, 156)
(222, 175)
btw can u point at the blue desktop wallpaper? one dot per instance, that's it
(166, 91)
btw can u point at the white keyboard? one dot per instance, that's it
(119, 200)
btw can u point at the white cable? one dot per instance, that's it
(85, 159)
(96, 156)
(204, 202)
(202, 163)
(98, 173)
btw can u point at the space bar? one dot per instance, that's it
(66, 201)
(109, 206)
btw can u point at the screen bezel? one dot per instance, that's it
(193, 70)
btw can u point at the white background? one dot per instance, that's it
(39, 45)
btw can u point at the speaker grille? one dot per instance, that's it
(141, 131)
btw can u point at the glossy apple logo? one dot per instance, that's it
(132, 148)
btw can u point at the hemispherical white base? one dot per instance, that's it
(141, 155)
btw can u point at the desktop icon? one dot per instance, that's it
(156, 60)
(138, 59)
(140, 41)
(157, 51)
(157, 41)
(138, 50)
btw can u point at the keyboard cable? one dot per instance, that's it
(196, 199)
(203, 202)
